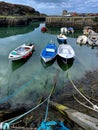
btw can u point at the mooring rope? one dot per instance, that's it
(95, 107)
(84, 104)
(91, 98)
(6, 125)
(48, 101)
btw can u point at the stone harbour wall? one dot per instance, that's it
(11, 21)
(76, 22)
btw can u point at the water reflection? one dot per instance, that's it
(56, 31)
(65, 65)
(53, 30)
(17, 64)
(10, 31)
(45, 65)
(60, 41)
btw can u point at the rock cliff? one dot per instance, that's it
(8, 9)
(15, 14)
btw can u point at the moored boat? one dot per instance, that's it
(43, 29)
(63, 30)
(21, 52)
(82, 39)
(65, 51)
(49, 52)
(87, 30)
(61, 38)
(70, 30)
(93, 39)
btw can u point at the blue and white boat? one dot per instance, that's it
(62, 38)
(49, 52)
(70, 30)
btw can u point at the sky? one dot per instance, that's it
(56, 7)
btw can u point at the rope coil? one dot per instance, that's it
(4, 126)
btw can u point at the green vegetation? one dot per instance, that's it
(95, 19)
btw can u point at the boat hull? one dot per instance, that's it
(47, 64)
(46, 60)
(22, 57)
(62, 39)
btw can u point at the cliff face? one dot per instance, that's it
(16, 15)
(7, 9)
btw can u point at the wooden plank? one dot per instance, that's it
(83, 120)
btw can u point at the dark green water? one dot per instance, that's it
(25, 82)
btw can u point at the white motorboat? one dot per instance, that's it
(87, 30)
(82, 39)
(65, 51)
(63, 30)
(93, 39)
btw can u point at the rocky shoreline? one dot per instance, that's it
(89, 87)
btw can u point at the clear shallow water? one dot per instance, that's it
(25, 82)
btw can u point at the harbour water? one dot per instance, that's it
(25, 82)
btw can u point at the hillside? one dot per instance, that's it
(8, 9)
(18, 15)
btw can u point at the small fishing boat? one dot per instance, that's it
(82, 39)
(87, 30)
(63, 30)
(65, 51)
(61, 38)
(49, 52)
(43, 29)
(93, 39)
(22, 52)
(70, 30)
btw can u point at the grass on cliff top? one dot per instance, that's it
(2, 16)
